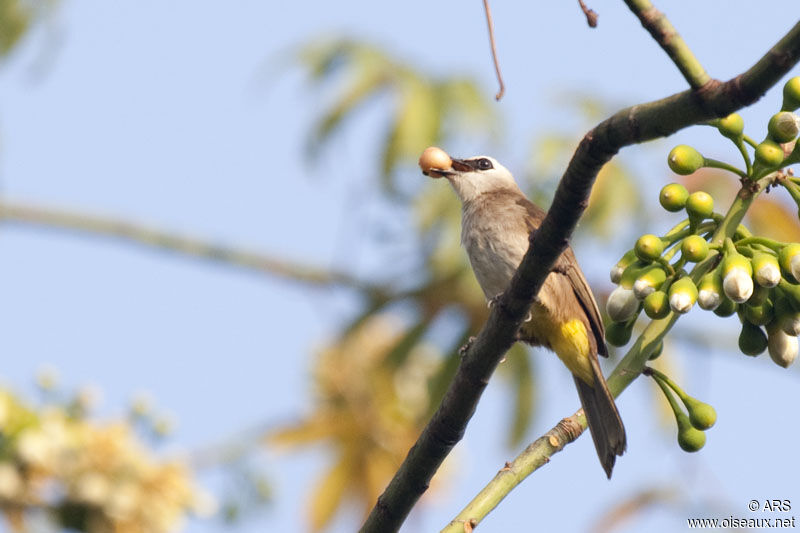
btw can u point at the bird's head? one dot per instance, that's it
(477, 175)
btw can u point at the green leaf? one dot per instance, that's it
(398, 354)
(416, 125)
(329, 492)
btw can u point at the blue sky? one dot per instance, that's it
(174, 115)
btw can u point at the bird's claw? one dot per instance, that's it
(493, 300)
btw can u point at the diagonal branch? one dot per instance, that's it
(665, 34)
(632, 125)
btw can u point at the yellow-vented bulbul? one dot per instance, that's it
(497, 220)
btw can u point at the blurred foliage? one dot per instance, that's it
(17, 17)
(424, 109)
(371, 400)
(79, 474)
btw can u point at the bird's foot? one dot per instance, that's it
(491, 302)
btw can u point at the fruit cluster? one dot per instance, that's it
(756, 278)
(734, 272)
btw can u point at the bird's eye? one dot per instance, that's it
(484, 164)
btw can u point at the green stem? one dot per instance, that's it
(663, 377)
(745, 155)
(742, 232)
(663, 383)
(670, 41)
(773, 245)
(749, 141)
(677, 227)
(792, 188)
(713, 163)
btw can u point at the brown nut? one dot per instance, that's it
(434, 158)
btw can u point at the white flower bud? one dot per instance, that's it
(782, 347)
(616, 273)
(622, 304)
(708, 299)
(790, 324)
(681, 302)
(643, 287)
(738, 284)
(768, 275)
(795, 264)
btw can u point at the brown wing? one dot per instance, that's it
(567, 265)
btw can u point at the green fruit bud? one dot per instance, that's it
(632, 273)
(684, 160)
(682, 295)
(649, 247)
(690, 439)
(766, 269)
(701, 415)
(673, 197)
(694, 248)
(700, 205)
(619, 333)
(656, 305)
(731, 126)
(759, 296)
(726, 308)
(709, 291)
(769, 153)
(622, 304)
(622, 264)
(791, 94)
(737, 277)
(650, 280)
(782, 347)
(752, 339)
(789, 260)
(783, 127)
(760, 315)
(657, 351)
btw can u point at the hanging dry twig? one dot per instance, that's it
(489, 23)
(591, 15)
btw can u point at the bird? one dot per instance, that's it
(497, 220)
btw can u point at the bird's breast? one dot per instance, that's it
(495, 245)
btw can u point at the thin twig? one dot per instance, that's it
(636, 124)
(665, 34)
(591, 15)
(489, 23)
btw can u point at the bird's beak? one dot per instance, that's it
(458, 166)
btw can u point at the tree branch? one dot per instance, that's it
(126, 231)
(629, 126)
(665, 34)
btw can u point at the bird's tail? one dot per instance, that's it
(603, 419)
